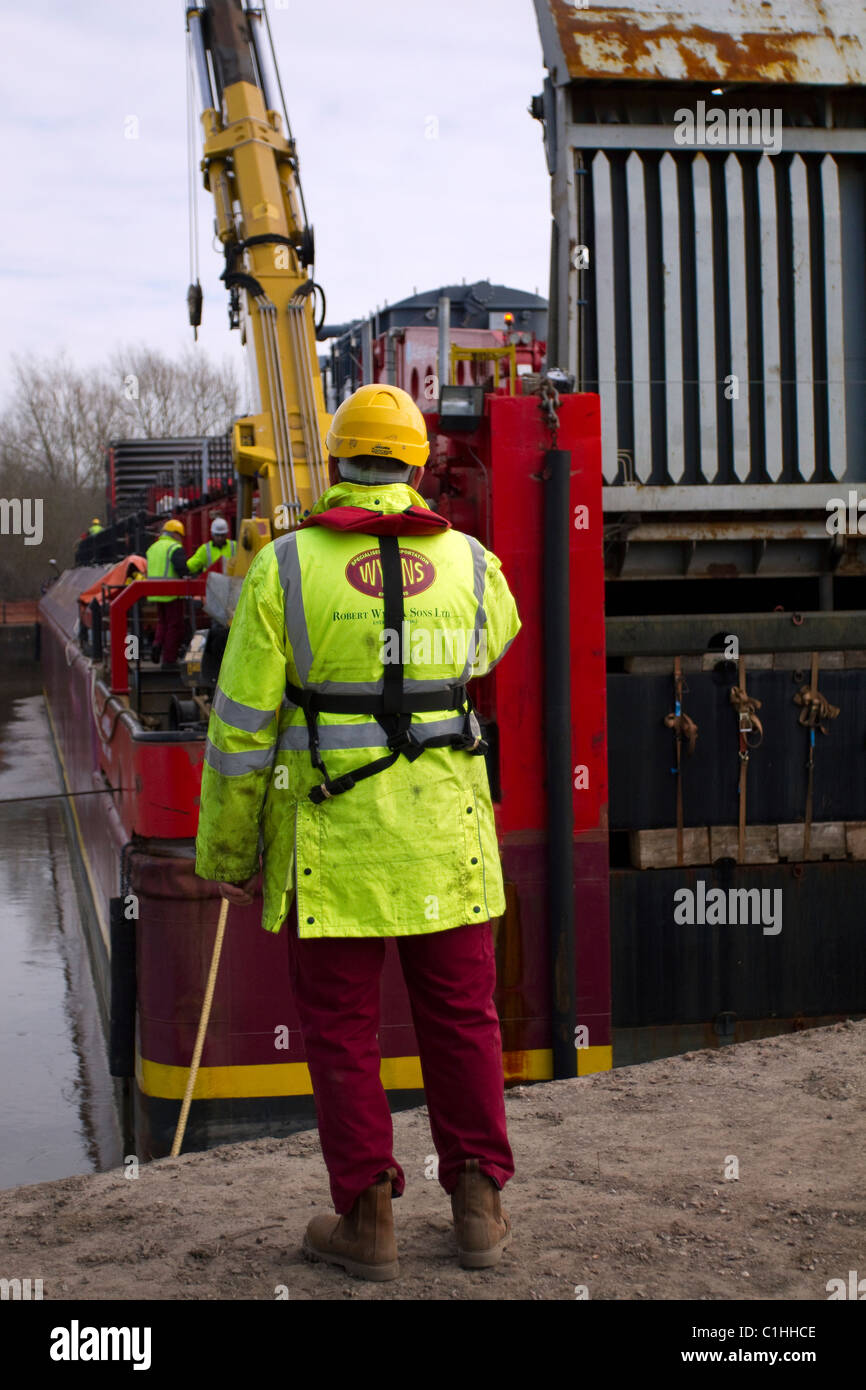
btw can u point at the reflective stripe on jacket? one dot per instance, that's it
(159, 564)
(412, 849)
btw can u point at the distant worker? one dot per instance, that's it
(354, 762)
(219, 547)
(166, 560)
(95, 527)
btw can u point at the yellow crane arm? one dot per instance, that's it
(250, 167)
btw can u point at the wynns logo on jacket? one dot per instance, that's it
(364, 572)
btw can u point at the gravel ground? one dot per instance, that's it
(626, 1188)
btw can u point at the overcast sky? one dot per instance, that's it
(95, 223)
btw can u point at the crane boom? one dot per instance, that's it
(250, 167)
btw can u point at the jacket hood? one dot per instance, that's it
(383, 509)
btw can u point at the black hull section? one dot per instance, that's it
(665, 972)
(215, 1122)
(641, 750)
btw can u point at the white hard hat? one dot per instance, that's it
(219, 526)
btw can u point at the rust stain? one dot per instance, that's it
(612, 43)
(683, 532)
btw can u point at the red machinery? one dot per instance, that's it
(501, 482)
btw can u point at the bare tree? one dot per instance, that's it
(64, 510)
(163, 399)
(57, 420)
(57, 423)
(214, 393)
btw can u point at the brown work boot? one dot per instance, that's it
(362, 1241)
(482, 1228)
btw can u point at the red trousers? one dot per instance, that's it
(170, 629)
(450, 977)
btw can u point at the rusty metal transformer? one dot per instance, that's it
(708, 182)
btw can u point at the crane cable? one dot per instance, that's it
(191, 159)
(279, 410)
(304, 371)
(192, 200)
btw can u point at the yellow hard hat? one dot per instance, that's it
(380, 420)
(96, 521)
(176, 526)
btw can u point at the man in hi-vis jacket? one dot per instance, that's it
(343, 731)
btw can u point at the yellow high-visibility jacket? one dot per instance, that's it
(159, 562)
(208, 554)
(411, 849)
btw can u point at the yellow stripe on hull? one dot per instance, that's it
(166, 1082)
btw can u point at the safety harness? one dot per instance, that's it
(393, 708)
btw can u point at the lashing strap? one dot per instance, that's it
(748, 723)
(815, 713)
(686, 731)
(393, 709)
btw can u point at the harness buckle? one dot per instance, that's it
(328, 789)
(473, 740)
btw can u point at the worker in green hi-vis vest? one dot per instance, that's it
(219, 547)
(166, 560)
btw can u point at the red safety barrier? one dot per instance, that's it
(120, 606)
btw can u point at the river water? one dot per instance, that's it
(57, 1101)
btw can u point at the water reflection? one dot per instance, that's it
(57, 1107)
